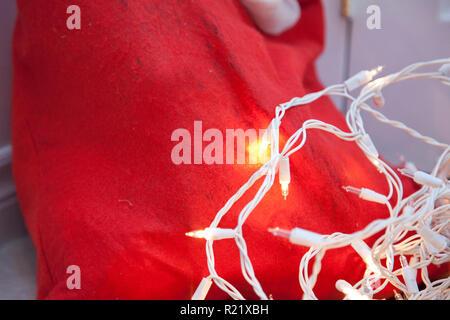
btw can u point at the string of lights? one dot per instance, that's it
(417, 226)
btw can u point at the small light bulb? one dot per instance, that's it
(212, 234)
(367, 194)
(351, 293)
(300, 237)
(258, 150)
(284, 176)
(284, 190)
(253, 152)
(280, 232)
(409, 275)
(361, 78)
(205, 233)
(378, 99)
(410, 166)
(352, 190)
(422, 178)
(376, 71)
(263, 145)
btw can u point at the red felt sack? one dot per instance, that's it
(94, 111)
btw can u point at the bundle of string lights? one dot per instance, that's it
(417, 226)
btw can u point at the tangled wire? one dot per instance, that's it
(418, 225)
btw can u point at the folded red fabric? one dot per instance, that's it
(93, 115)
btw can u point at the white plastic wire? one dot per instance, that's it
(404, 229)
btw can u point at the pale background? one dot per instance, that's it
(412, 30)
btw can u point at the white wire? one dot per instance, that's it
(400, 237)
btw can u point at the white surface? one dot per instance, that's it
(444, 10)
(411, 31)
(331, 65)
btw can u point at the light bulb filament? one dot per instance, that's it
(199, 234)
(284, 190)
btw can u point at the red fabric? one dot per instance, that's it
(93, 114)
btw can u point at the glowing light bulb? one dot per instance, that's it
(199, 234)
(212, 234)
(259, 151)
(361, 78)
(284, 190)
(375, 71)
(284, 176)
(263, 151)
(253, 152)
(265, 140)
